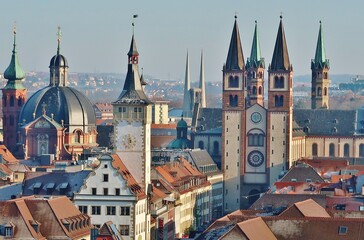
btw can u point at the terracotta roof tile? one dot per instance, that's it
(7, 155)
(256, 228)
(118, 164)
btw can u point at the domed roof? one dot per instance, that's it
(182, 124)
(58, 60)
(65, 103)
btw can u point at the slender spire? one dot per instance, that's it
(14, 70)
(202, 83)
(235, 58)
(320, 55)
(133, 49)
(186, 93)
(59, 35)
(255, 54)
(280, 59)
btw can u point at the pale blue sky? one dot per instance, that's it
(96, 34)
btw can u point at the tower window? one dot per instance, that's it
(332, 150)
(20, 101)
(346, 150)
(278, 101)
(12, 101)
(325, 91)
(254, 90)
(278, 82)
(233, 82)
(4, 101)
(260, 90)
(319, 91)
(233, 100)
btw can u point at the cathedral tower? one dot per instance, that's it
(255, 72)
(320, 67)
(280, 78)
(14, 96)
(132, 119)
(233, 121)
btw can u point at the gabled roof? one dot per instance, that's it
(235, 57)
(280, 59)
(256, 228)
(302, 173)
(135, 188)
(306, 208)
(51, 121)
(109, 229)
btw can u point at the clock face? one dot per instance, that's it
(255, 158)
(128, 141)
(256, 117)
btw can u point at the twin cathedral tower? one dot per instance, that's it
(256, 139)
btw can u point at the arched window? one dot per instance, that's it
(12, 101)
(319, 91)
(201, 144)
(346, 150)
(256, 139)
(233, 82)
(233, 100)
(216, 148)
(325, 91)
(260, 90)
(361, 150)
(254, 90)
(314, 149)
(281, 101)
(276, 101)
(78, 136)
(332, 150)
(276, 82)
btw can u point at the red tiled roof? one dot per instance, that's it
(307, 208)
(7, 155)
(5, 169)
(164, 126)
(256, 228)
(118, 164)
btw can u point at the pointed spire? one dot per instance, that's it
(235, 58)
(186, 93)
(202, 83)
(255, 54)
(133, 90)
(14, 70)
(280, 59)
(320, 55)
(133, 49)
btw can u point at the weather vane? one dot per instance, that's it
(133, 24)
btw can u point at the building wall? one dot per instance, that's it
(298, 148)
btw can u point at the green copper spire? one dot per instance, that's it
(320, 60)
(255, 53)
(14, 72)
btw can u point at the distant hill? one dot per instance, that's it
(335, 78)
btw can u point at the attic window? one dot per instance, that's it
(335, 121)
(293, 180)
(307, 120)
(334, 130)
(343, 230)
(9, 231)
(308, 180)
(306, 129)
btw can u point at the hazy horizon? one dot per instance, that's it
(96, 34)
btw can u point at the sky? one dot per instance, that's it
(96, 34)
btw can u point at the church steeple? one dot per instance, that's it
(235, 58)
(14, 73)
(255, 54)
(255, 72)
(58, 66)
(202, 83)
(133, 90)
(280, 59)
(187, 112)
(13, 99)
(320, 67)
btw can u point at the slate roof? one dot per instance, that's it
(235, 57)
(7, 192)
(301, 173)
(210, 118)
(286, 200)
(280, 59)
(71, 182)
(324, 122)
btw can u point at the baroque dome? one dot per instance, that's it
(65, 103)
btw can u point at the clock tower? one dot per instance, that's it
(132, 119)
